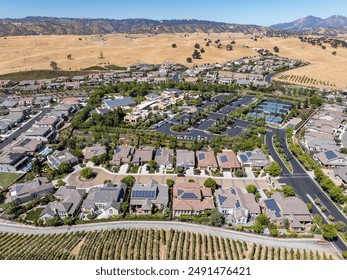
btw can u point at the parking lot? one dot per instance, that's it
(201, 131)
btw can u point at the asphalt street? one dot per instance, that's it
(24, 128)
(302, 183)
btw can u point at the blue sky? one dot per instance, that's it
(262, 12)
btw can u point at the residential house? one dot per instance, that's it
(341, 173)
(145, 198)
(185, 159)
(165, 158)
(331, 158)
(105, 201)
(28, 146)
(10, 120)
(228, 161)
(26, 101)
(236, 206)
(27, 191)
(143, 155)
(42, 101)
(59, 157)
(95, 150)
(12, 161)
(68, 204)
(206, 160)
(191, 199)
(118, 103)
(279, 209)
(9, 103)
(122, 154)
(51, 122)
(44, 134)
(255, 158)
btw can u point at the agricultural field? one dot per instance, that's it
(304, 80)
(142, 244)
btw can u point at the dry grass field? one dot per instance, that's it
(36, 52)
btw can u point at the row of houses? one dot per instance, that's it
(18, 155)
(205, 160)
(237, 206)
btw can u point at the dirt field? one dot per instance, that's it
(36, 52)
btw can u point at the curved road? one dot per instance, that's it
(308, 244)
(304, 186)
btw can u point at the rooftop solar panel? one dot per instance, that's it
(179, 192)
(224, 159)
(243, 158)
(118, 149)
(233, 191)
(330, 155)
(189, 195)
(159, 152)
(143, 194)
(202, 156)
(221, 199)
(272, 205)
(249, 154)
(237, 204)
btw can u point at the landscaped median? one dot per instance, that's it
(335, 192)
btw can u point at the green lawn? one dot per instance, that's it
(6, 179)
(134, 169)
(34, 215)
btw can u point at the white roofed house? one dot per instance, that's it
(147, 198)
(236, 206)
(105, 201)
(164, 157)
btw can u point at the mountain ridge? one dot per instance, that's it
(84, 26)
(312, 22)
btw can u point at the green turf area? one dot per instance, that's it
(34, 215)
(134, 169)
(6, 179)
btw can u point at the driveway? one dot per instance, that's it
(123, 169)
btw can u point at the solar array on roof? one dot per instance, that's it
(224, 159)
(202, 156)
(118, 149)
(233, 191)
(19, 187)
(243, 158)
(179, 192)
(189, 195)
(143, 194)
(159, 153)
(249, 154)
(237, 204)
(221, 199)
(272, 205)
(330, 154)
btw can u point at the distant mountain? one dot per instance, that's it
(312, 22)
(84, 26)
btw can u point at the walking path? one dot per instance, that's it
(307, 244)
